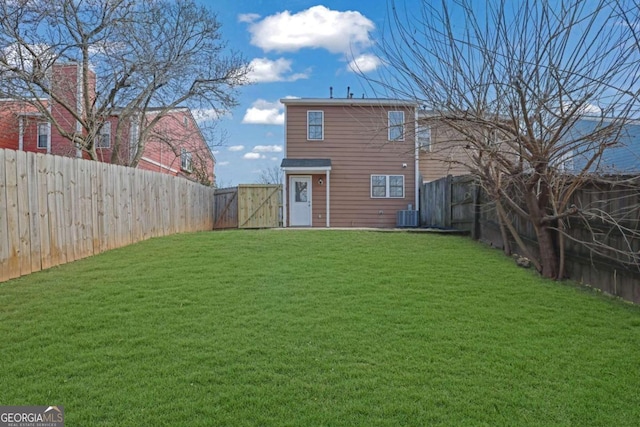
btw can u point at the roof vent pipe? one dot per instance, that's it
(348, 91)
(330, 92)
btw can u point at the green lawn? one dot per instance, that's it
(316, 328)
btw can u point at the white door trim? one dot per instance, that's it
(299, 214)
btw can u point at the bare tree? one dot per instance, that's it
(132, 55)
(271, 175)
(514, 80)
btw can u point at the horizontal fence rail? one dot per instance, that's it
(55, 210)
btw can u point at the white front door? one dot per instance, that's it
(300, 201)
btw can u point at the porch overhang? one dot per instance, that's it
(307, 167)
(310, 166)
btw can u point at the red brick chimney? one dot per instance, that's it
(66, 84)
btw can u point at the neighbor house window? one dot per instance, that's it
(424, 137)
(387, 186)
(104, 137)
(315, 125)
(185, 160)
(396, 125)
(43, 135)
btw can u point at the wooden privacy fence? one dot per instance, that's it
(55, 210)
(458, 202)
(249, 206)
(450, 202)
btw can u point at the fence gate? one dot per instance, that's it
(249, 206)
(226, 208)
(259, 206)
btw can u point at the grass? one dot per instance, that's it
(316, 328)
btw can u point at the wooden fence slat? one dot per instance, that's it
(12, 214)
(24, 222)
(68, 176)
(84, 208)
(43, 163)
(34, 212)
(94, 223)
(59, 224)
(4, 226)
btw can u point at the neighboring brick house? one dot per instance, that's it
(349, 162)
(175, 145)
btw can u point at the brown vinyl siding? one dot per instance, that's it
(356, 141)
(448, 155)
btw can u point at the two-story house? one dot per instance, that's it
(175, 144)
(349, 162)
(442, 150)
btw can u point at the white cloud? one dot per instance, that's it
(203, 115)
(236, 148)
(364, 63)
(222, 164)
(264, 113)
(253, 156)
(248, 17)
(275, 159)
(591, 109)
(268, 149)
(266, 70)
(21, 57)
(587, 109)
(316, 27)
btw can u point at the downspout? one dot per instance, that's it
(328, 215)
(285, 177)
(21, 133)
(79, 99)
(49, 136)
(416, 162)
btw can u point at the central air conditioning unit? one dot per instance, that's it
(407, 218)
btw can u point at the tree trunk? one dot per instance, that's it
(545, 235)
(547, 249)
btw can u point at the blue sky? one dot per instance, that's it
(298, 48)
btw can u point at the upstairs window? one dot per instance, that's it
(185, 160)
(387, 186)
(43, 135)
(396, 126)
(424, 137)
(103, 139)
(315, 125)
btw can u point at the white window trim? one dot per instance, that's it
(46, 146)
(387, 187)
(425, 130)
(322, 114)
(187, 165)
(394, 126)
(104, 131)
